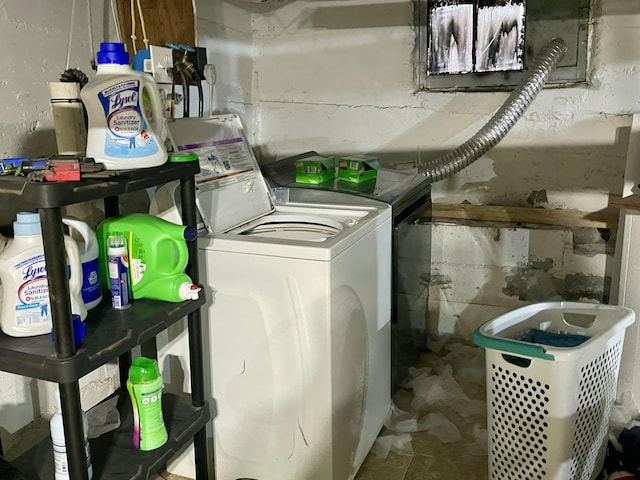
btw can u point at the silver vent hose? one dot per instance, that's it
(503, 120)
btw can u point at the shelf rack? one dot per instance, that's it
(110, 334)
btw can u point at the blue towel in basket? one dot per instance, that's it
(541, 337)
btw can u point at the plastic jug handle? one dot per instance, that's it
(157, 117)
(75, 279)
(82, 228)
(73, 256)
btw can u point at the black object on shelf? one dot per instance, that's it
(110, 334)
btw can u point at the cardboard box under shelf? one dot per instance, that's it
(358, 168)
(315, 170)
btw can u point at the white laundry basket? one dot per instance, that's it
(548, 407)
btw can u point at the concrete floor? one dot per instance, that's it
(432, 453)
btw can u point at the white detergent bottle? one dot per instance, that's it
(125, 113)
(91, 286)
(25, 309)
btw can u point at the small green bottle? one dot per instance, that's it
(145, 389)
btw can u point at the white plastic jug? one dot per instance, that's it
(26, 309)
(88, 248)
(125, 113)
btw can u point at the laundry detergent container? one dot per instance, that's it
(552, 372)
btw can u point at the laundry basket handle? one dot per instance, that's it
(510, 346)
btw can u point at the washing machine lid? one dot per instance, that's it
(230, 188)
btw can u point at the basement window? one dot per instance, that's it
(476, 45)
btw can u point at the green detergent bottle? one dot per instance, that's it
(145, 390)
(158, 256)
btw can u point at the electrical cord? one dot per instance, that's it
(191, 70)
(92, 61)
(196, 77)
(179, 69)
(73, 16)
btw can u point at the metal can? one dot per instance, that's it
(118, 260)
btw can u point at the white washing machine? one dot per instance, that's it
(298, 318)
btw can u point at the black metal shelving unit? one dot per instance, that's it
(110, 334)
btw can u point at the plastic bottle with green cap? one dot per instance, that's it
(183, 157)
(145, 389)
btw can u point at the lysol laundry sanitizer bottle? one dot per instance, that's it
(26, 310)
(125, 113)
(145, 389)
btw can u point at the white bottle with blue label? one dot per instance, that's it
(60, 461)
(125, 113)
(26, 310)
(88, 249)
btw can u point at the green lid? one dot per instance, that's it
(183, 157)
(143, 369)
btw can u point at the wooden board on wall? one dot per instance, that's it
(165, 21)
(605, 218)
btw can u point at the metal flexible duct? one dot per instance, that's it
(503, 120)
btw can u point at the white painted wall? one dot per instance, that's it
(225, 30)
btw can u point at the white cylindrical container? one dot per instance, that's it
(91, 286)
(125, 113)
(25, 309)
(117, 255)
(56, 424)
(68, 117)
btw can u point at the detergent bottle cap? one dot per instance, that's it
(190, 233)
(189, 291)
(27, 223)
(144, 370)
(112, 52)
(79, 331)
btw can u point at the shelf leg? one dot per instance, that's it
(64, 345)
(73, 430)
(203, 461)
(202, 458)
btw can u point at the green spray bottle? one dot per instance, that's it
(145, 389)
(158, 255)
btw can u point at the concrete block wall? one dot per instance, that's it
(479, 272)
(34, 36)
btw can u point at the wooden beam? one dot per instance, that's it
(630, 203)
(165, 21)
(606, 218)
